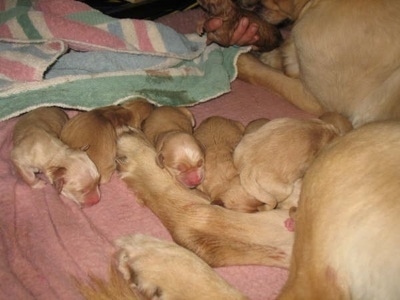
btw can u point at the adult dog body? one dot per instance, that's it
(342, 56)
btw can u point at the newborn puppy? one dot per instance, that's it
(170, 130)
(97, 131)
(37, 149)
(219, 136)
(140, 109)
(273, 158)
(231, 13)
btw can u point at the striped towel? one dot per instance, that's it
(64, 53)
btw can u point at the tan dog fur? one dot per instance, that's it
(220, 136)
(143, 259)
(347, 227)
(272, 159)
(230, 13)
(97, 130)
(38, 149)
(193, 222)
(140, 109)
(342, 56)
(170, 130)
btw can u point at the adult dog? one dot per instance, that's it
(342, 56)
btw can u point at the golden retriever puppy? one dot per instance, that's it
(218, 235)
(140, 109)
(230, 13)
(273, 158)
(352, 72)
(38, 149)
(97, 130)
(170, 130)
(347, 228)
(220, 136)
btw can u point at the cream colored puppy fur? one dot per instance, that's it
(218, 235)
(220, 136)
(341, 56)
(97, 130)
(37, 149)
(170, 130)
(272, 159)
(140, 109)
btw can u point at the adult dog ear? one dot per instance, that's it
(57, 175)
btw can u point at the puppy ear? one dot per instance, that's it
(341, 123)
(218, 202)
(160, 160)
(121, 159)
(57, 175)
(188, 114)
(85, 147)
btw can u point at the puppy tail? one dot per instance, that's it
(115, 287)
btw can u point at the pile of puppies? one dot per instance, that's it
(247, 169)
(75, 155)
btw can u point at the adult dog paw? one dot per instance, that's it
(163, 270)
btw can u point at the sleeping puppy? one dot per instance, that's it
(347, 230)
(231, 13)
(345, 71)
(140, 109)
(97, 131)
(170, 130)
(218, 235)
(220, 136)
(272, 160)
(37, 149)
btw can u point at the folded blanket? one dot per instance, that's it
(64, 53)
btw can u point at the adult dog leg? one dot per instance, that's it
(252, 70)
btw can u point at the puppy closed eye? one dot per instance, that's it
(200, 163)
(182, 168)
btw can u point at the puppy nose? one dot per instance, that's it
(91, 198)
(193, 179)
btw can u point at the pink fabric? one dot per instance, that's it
(44, 239)
(143, 36)
(17, 70)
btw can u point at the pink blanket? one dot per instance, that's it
(45, 238)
